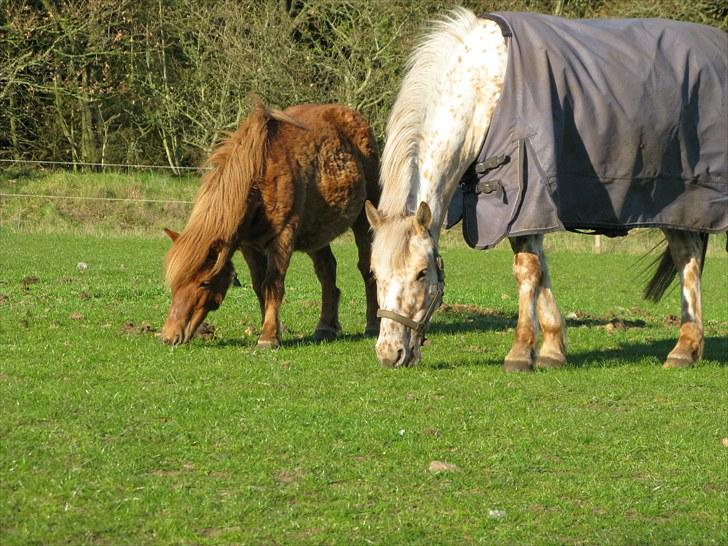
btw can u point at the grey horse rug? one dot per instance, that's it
(603, 125)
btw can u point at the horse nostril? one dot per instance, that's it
(400, 358)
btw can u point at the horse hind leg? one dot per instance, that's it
(363, 238)
(687, 250)
(552, 353)
(324, 264)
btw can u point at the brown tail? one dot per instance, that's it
(665, 273)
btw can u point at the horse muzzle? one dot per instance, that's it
(175, 337)
(397, 357)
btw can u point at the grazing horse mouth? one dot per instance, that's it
(418, 327)
(181, 335)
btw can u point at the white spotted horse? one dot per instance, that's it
(523, 124)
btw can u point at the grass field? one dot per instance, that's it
(109, 437)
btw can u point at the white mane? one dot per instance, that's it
(404, 128)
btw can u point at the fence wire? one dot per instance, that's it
(98, 165)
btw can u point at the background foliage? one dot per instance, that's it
(130, 81)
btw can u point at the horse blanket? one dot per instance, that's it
(602, 125)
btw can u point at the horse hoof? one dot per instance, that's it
(268, 344)
(324, 333)
(673, 362)
(550, 363)
(517, 366)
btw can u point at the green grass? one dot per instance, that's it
(109, 437)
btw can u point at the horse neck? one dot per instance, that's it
(462, 96)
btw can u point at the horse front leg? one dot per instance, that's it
(688, 251)
(527, 272)
(363, 239)
(324, 264)
(279, 257)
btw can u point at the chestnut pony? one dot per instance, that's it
(283, 181)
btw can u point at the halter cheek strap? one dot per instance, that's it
(419, 327)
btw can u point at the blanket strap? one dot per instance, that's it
(490, 163)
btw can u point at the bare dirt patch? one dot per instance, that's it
(287, 477)
(216, 532)
(29, 281)
(437, 467)
(138, 329)
(205, 331)
(469, 309)
(618, 323)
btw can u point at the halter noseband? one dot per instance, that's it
(419, 327)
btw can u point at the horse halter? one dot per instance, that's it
(420, 327)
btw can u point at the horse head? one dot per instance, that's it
(198, 292)
(410, 281)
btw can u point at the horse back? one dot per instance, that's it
(319, 172)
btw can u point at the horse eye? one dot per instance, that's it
(421, 275)
(205, 284)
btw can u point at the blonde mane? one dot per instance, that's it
(404, 129)
(222, 199)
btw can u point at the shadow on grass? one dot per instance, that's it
(453, 319)
(716, 349)
(288, 342)
(457, 319)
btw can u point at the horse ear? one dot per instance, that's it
(423, 216)
(171, 234)
(217, 246)
(375, 219)
(218, 254)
